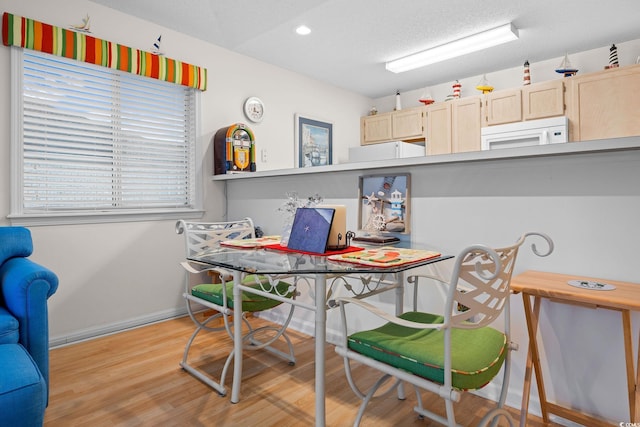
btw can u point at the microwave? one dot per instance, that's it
(554, 130)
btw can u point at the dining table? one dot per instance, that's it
(354, 269)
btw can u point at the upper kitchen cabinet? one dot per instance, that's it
(531, 102)
(604, 104)
(503, 106)
(375, 129)
(466, 124)
(454, 126)
(402, 125)
(439, 128)
(542, 100)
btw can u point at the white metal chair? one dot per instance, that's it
(219, 298)
(444, 353)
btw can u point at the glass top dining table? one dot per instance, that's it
(279, 264)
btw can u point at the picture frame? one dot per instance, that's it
(384, 204)
(313, 142)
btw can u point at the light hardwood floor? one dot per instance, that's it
(133, 379)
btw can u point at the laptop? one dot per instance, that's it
(310, 230)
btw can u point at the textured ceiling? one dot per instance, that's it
(351, 39)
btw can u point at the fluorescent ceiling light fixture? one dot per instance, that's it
(463, 46)
(303, 30)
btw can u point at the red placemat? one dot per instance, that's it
(277, 247)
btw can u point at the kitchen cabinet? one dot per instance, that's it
(604, 104)
(542, 100)
(402, 125)
(375, 129)
(531, 102)
(503, 106)
(454, 126)
(466, 124)
(439, 128)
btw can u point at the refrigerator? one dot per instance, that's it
(386, 151)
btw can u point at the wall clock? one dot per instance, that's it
(254, 109)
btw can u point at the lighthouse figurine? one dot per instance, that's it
(456, 89)
(613, 57)
(527, 76)
(396, 205)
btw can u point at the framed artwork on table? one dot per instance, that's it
(384, 202)
(314, 142)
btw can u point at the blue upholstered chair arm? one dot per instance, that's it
(26, 286)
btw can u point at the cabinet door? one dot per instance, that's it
(439, 128)
(504, 106)
(466, 117)
(375, 129)
(604, 104)
(543, 100)
(408, 124)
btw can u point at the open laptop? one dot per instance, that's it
(310, 230)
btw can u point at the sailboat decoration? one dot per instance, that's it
(156, 46)
(566, 68)
(483, 85)
(84, 27)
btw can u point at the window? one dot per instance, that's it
(96, 143)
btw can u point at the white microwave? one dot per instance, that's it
(553, 130)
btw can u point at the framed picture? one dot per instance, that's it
(384, 202)
(314, 142)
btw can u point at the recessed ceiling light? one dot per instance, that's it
(303, 30)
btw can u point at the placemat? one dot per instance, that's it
(257, 242)
(385, 257)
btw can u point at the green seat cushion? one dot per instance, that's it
(476, 354)
(212, 292)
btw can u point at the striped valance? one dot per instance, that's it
(32, 34)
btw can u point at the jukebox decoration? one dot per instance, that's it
(234, 150)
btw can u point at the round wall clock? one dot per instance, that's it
(254, 109)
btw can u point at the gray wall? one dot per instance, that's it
(588, 203)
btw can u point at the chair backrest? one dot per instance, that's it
(200, 236)
(15, 242)
(480, 285)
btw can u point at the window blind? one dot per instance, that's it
(97, 139)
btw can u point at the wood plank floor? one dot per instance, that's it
(133, 379)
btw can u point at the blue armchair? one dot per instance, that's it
(24, 330)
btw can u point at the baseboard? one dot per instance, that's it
(91, 333)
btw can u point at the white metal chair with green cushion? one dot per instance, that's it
(444, 353)
(218, 297)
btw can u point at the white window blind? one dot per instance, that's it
(96, 139)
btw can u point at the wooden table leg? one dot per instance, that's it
(636, 415)
(628, 352)
(533, 361)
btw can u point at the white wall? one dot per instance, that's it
(116, 275)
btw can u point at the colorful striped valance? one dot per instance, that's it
(32, 34)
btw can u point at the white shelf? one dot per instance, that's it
(570, 148)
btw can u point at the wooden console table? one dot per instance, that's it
(624, 298)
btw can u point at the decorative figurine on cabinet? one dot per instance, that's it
(484, 86)
(234, 150)
(566, 68)
(527, 74)
(613, 57)
(457, 88)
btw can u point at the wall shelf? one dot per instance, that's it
(570, 148)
